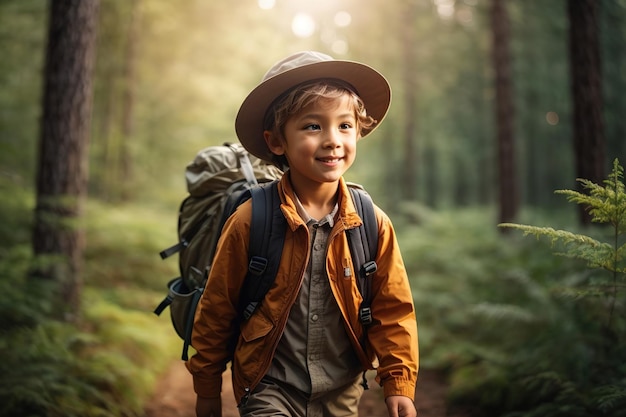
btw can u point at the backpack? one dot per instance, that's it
(218, 180)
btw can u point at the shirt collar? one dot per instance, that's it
(308, 220)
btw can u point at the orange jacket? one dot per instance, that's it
(391, 339)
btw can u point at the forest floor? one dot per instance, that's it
(174, 396)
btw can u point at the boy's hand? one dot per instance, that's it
(208, 407)
(400, 406)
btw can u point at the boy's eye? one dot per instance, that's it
(312, 126)
(345, 126)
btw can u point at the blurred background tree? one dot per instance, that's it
(508, 194)
(586, 85)
(62, 168)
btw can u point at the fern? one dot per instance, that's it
(606, 205)
(610, 399)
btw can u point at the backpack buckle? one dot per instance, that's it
(365, 316)
(249, 310)
(369, 268)
(257, 265)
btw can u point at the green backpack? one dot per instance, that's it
(216, 176)
(218, 180)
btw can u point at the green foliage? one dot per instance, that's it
(107, 371)
(124, 243)
(64, 372)
(607, 205)
(572, 361)
(16, 213)
(22, 38)
(22, 303)
(108, 362)
(54, 378)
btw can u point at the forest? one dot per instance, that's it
(500, 164)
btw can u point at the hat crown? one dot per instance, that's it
(296, 60)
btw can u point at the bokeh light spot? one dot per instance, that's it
(303, 25)
(343, 19)
(552, 118)
(266, 4)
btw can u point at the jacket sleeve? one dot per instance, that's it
(216, 317)
(393, 336)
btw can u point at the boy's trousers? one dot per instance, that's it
(273, 398)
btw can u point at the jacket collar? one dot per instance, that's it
(348, 215)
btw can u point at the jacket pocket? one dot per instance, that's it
(252, 350)
(256, 327)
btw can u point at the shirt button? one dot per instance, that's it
(317, 246)
(314, 317)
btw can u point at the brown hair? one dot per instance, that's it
(294, 100)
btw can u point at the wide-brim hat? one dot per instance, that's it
(303, 67)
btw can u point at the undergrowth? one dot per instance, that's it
(594, 383)
(107, 363)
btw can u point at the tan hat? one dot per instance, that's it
(296, 69)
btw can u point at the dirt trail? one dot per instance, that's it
(174, 396)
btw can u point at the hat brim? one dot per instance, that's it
(370, 85)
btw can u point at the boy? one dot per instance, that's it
(300, 354)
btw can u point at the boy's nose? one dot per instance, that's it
(331, 139)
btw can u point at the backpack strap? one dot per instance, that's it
(363, 243)
(197, 294)
(184, 240)
(267, 237)
(244, 163)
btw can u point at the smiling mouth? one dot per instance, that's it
(329, 160)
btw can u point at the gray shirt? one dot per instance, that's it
(314, 353)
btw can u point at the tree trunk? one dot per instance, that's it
(409, 179)
(58, 238)
(507, 185)
(589, 141)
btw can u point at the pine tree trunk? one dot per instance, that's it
(589, 141)
(58, 238)
(507, 175)
(409, 178)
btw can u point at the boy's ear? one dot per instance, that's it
(274, 143)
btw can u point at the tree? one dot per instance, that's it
(507, 185)
(58, 239)
(409, 178)
(589, 141)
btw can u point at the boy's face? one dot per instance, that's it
(320, 141)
